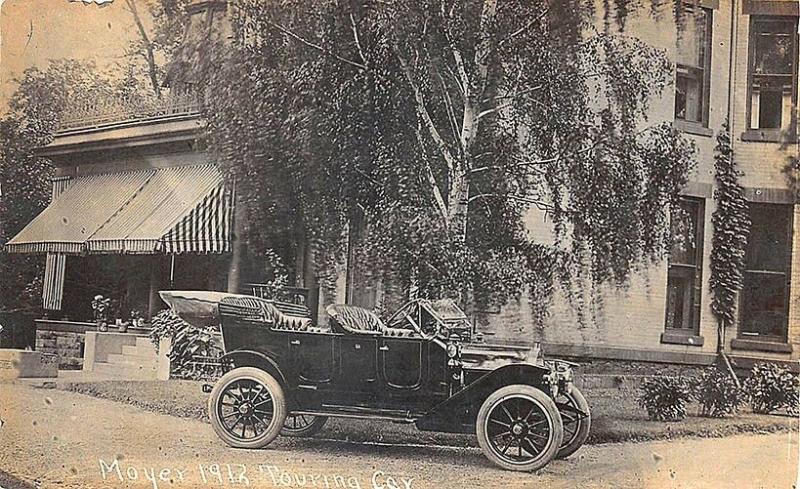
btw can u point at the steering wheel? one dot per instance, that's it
(405, 315)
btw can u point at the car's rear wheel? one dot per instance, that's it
(519, 428)
(576, 427)
(302, 425)
(247, 408)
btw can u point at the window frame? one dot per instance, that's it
(787, 273)
(769, 134)
(695, 308)
(705, 102)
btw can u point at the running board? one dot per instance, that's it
(357, 415)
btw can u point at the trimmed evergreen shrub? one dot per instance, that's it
(665, 398)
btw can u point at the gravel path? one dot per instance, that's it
(65, 439)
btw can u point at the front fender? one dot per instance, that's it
(458, 413)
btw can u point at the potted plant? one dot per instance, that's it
(137, 318)
(100, 308)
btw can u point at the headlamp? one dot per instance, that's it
(452, 350)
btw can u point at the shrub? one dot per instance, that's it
(194, 353)
(772, 387)
(717, 393)
(194, 349)
(665, 398)
(165, 324)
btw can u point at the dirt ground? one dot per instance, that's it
(63, 439)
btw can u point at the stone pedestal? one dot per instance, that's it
(16, 364)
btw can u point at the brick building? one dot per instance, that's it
(735, 60)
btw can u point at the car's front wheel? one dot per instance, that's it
(519, 428)
(247, 408)
(301, 425)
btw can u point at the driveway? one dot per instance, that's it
(64, 439)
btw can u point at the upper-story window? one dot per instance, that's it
(773, 72)
(693, 62)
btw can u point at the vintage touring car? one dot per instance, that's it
(423, 365)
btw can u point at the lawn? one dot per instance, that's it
(615, 416)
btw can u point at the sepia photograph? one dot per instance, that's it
(399, 244)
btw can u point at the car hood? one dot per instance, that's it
(485, 356)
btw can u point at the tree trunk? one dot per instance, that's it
(149, 51)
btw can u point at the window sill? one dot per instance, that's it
(674, 337)
(695, 128)
(760, 345)
(767, 136)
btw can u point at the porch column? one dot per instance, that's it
(234, 268)
(154, 301)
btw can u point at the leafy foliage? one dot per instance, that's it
(194, 349)
(440, 124)
(194, 353)
(772, 387)
(165, 324)
(665, 398)
(717, 393)
(731, 223)
(153, 48)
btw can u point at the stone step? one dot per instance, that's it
(137, 350)
(132, 359)
(143, 341)
(132, 372)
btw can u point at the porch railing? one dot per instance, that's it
(94, 111)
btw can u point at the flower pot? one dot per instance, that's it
(122, 327)
(102, 326)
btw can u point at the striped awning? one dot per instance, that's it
(184, 209)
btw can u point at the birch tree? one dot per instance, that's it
(442, 123)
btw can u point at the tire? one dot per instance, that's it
(576, 430)
(302, 425)
(531, 419)
(238, 395)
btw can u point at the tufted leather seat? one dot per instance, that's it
(354, 320)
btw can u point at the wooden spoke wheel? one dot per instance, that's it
(576, 427)
(519, 428)
(302, 425)
(247, 408)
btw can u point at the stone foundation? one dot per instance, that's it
(67, 346)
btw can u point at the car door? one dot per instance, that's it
(358, 360)
(403, 368)
(312, 359)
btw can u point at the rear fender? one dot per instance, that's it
(458, 413)
(257, 359)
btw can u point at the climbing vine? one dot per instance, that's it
(731, 224)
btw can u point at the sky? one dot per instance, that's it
(35, 31)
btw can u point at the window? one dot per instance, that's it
(684, 276)
(773, 68)
(693, 63)
(764, 305)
